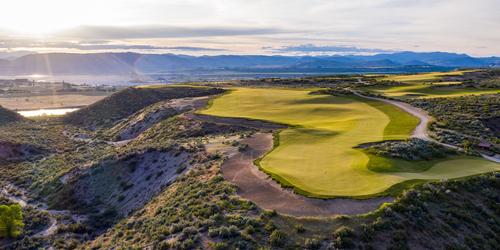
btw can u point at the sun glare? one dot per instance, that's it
(34, 18)
(30, 17)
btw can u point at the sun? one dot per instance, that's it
(27, 17)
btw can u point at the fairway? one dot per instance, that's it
(421, 90)
(427, 85)
(424, 77)
(316, 155)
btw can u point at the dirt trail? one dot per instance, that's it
(23, 201)
(258, 187)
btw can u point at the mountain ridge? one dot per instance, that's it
(136, 63)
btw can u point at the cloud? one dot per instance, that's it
(148, 32)
(314, 49)
(97, 45)
(106, 46)
(451, 25)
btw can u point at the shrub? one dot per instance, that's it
(344, 231)
(312, 244)
(277, 238)
(343, 242)
(249, 229)
(270, 213)
(299, 228)
(366, 232)
(77, 228)
(411, 150)
(399, 241)
(219, 246)
(269, 227)
(213, 232)
(343, 237)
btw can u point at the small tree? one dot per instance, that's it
(11, 221)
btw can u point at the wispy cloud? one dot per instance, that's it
(95, 46)
(148, 32)
(318, 49)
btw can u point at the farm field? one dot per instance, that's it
(316, 155)
(50, 101)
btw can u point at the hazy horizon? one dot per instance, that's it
(239, 27)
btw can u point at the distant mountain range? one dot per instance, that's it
(134, 63)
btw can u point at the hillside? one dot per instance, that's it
(124, 103)
(7, 116)
(431, 217)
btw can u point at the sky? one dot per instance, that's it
(271, 27)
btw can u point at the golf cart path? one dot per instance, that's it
(258, 187)
(421, 129)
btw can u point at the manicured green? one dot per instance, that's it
(424, 77)
(424, 90)
(316, 155)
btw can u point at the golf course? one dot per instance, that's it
(427, 85)
(427, 90)
(317, 154)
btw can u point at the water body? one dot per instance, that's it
(46, 112)
(180, 76)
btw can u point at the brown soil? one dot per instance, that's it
(258, 187)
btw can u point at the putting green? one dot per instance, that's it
(316, 155)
